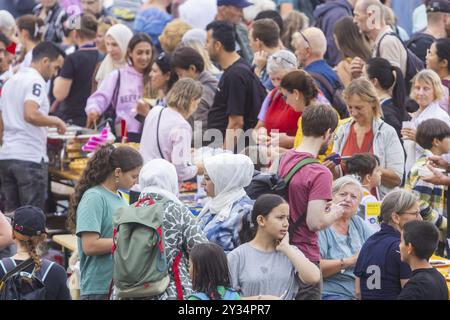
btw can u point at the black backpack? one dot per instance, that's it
(413, 63)
(17, 284)
(335, 91)
(274, 184)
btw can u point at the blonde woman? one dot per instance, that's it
(167, 134)
(366, 132)
(427, 91)
(116, 39)
(172, 35)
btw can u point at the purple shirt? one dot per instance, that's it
(175, 135)
(130, 91)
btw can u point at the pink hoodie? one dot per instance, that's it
(130, 91)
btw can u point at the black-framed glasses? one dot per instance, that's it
(304, 38)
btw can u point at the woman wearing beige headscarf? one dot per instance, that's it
(117, 38)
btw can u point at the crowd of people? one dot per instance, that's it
(329, 121)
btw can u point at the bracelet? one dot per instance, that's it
(342, 265)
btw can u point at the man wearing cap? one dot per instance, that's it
(231, 12)
(438, 16)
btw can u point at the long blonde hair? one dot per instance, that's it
(365, 90)
(196, 45)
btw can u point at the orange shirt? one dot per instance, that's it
(351, 146)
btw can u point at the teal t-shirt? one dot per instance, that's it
(221, 290)
(94, 214)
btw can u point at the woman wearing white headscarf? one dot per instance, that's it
(158, 180)
(225, 177)
(116, 38)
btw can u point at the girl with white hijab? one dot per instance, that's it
(116, 38)
(158, 180)
(225, 177)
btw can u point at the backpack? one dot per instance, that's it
(229, 295)
(139, 258)
(336, 91)
(273, 183)
(413, 63)
(17, 284)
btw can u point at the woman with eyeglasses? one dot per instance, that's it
(162, 78)
(341, 242)
(438, 60)
(277, 120)
(367, 132)
(380, 273)
(119, 93)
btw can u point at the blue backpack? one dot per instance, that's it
(229, 295)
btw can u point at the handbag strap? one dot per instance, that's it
(157, 132)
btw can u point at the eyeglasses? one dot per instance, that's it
(304, 38)
(279, 59)
(415, 213)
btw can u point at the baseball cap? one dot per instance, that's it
(29, 221)
(438, 6)
(236, 3)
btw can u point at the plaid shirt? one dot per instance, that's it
(432, 204)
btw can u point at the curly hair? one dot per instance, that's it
(105, 160)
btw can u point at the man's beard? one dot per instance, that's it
(323, 149)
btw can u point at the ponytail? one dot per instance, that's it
(32, 244)
(399, 89)
(105, 160)
(262, 207)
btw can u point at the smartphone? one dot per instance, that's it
(336, 158)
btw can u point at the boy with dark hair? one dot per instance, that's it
(366, 167)
(310, 188)
(418, 242)
(72, 87)
(24, 121)
(433, 135)
(264, 41)
(240, 93)
(188, 63)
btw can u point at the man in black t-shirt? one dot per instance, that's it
(240, 92)
(418, 242)
(72, 87)
(438, 16)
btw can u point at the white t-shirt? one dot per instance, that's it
(22, 140)
(198, 13)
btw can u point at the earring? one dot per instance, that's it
(117, 180)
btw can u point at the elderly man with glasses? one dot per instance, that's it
(310, 47)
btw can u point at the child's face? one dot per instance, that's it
(405, 250)
(443, 145)
(276, 223)
(375, 179)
